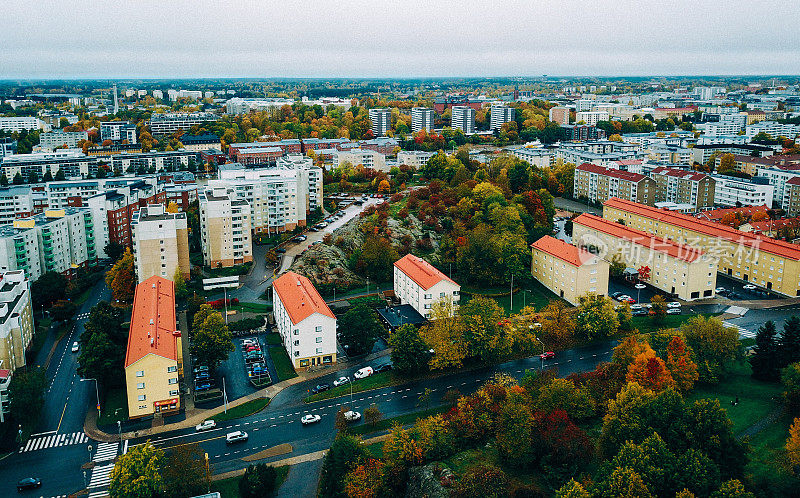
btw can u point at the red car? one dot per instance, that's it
(629, 300)
(549, 355)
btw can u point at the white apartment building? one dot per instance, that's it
(16, 201)
(421, 119)
(239, 105)
(370, 159)
(591, 117)
(18, 124)
(50, 141)
(722, 128)
(420, 284)
(463, 118)
(381, 121)
(160, 243)
(535, 156)
(305, 323)
(500, 115)
(414, 158)
(225, 230)
(158, 94)
(731, 191)
(777, 177)
(117, 131)
(16, 321)
(72, 162)
(164, 124)
(147, 161)
(773, 129)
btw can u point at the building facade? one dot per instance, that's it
(568, 271)
(225, 231)
(160, 243)
(463, 118)
(381, 121)
(683, 187)
(421, 119)
(500, 115)
(598, 184)
(420, 284)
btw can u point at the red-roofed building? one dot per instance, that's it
(683, 187)
(677, 269)
(567, 270)
(154, 359)
(420, 284)
(765, 262)
(598, 184)
(791, 196)
(716, 215)
(305, 323)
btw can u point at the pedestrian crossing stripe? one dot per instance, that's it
(105, 452)
(101, 476)
(99, 494)
(53, 441)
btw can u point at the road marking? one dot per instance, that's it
(43, 433)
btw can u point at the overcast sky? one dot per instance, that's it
(377, 38)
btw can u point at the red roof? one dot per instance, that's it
(4, 374)
(300, 297)
(616, 173)
(708, 228)
(795, 180)
(769, 225)
(680, 173)
(638, 237)
(562, 250)
(153, 328)
(718, 214)
(420, 271)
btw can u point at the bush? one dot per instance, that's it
(258, 481)
(220, 303)
(246, 324)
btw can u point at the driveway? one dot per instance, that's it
(575, 206)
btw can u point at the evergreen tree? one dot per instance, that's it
(4, 180)
(789, 344)
(765, 361)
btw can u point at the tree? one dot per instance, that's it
(409, 351)
(172, 207)
(627, 350)
(114, 250)
(435, 436)
(50, 287)
(789, 343)
(572, 489)
(340, 421)
(596, 317)
(345, 452)
(732, 489)
(790, 377)
(180, 284)
(258, 481)
(211, 339)
(18, 179)
(563, 394)
(61, 311)
(486, 337)
(3, 180)
(366, 480)
(623, 483)
(658, 308)
(376, 258)
(26, 396)
(401, 448)
(617, 266)
(765, 361)
(60, 175)
(372, 415)
(101, 359)
(359, 329)
(681, 365)
(793, 445)
(650, 372)
(515, 435)
(714, 345)
(727, 163)
(482, 480)
(121, 278)
(445, 336)
(136, 473)
(186, 472)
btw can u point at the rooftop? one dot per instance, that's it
(679, 173)
(299, 297)
(562, 250)
(615, 173)
(397, 316)
(420, 271)
(153, 326)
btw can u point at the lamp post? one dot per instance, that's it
(97, 392)
(639, 288)
(119, 429)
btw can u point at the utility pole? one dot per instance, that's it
(225, 290)
(511, 308)
(224, 394)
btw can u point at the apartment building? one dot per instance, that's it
(500, 115)
(239, 105)
(71, 162)
(144, 162)
(676, 269)
(154, 356)
(773, 129)
(420, 284)
(414, 158)
(583, 132)
(16, 201)
(568, 271)
(381, 121)
(559, 114)
(197, 143)
(683, 187)
(16, 322)
(165, 124)
(61, 139)
(535, 156)
(590, 118)
(118, 131)
(305, 323)
(768, 263)
(367, 158)
(701, 153)
(669, 154)
(599, 184)
(791, 197)
(26, 123)
(8, 146)
(733, 191)
(160, 243)
(463, 118)
(778, 176)
(225, 230)
(421, 119)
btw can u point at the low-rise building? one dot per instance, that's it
(197, 143)
(73, 163)
(154, 358)
(568, 271)
(225, 233)
(160, 243)
(598, 184)
(165, 124)
(306, 324)
(733, 191)
(414, 158)
(61, 139)
(422, 285)
(145, 162)
(23, 123)
(367, 158)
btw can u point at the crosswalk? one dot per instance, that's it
(53, 441)
(101, 478)
(99, 494)
(106, 452)
(101, 473)
(82, 316)
(743, 332)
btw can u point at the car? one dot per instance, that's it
(384, 368)
(635, 307)
(673, 311)
(202, 387)
(205, 425)
(200, 368)
(29, 483)
(310, 419)
(201, 376)
(280, 250)
(300, 238)
(316, 242)
(236, 437)
(249, 342)
(364, 373)
(615, 295)
(674, 305)
(352, 416)
(75, 347)
(622, 297)
(548, 355)
(640, 312)
(252, 348)
(628, 299)
(320, 388)
(341, 381)
(721, 291)
(749, 287)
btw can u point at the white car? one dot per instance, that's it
(75, 347)
(352, 416)
(673, 311)
(310, 419)
(235, 437)
(623, 297)
(749, 287)
(674, 305)
(206, 425)
(364, 373)
(341, 381)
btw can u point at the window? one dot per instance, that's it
(172, 369)
(319, 350)
(140, 385)
(427, 306)
(297, 353)
(319, 328)
(427, 296)
(319, 339)
(296, 332)
(142, 397)
(173, 380)
(296, 343)
(173, 393)
(140, 373)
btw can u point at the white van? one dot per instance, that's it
(364, 372)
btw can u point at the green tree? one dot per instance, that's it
(258, 481)
(18, 179)
(789, 343)
(372, 415)
(790, 377)
(409, 351)
(563, 394)
(623, 483)
(344, 454)
(515, 435)
(765, 361)
(572, 489)
(486, 337)
(136, 474)
(60, 175)
(179, 280)
(211, 339)
(26, 396)
(3, 180)
(50, 287)
(659, 308)
(732, 489)
(714, 345)
(48, 177)
(359, 329)
(100, 358)
(186, 472)
(114, 251)
(596, 317)
(376, 258)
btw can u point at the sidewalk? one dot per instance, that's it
(195, 416)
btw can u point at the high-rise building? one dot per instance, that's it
(559, 114)
(224, 229)
(463, 118)
(160, 243)
(381, 120)
(421, 119)
(116, 101)
(117, 131)
(55, 139)
(500, 115)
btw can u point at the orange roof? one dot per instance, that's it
(420, 271)
(153, 327)
(299, 297)
(709, 228)
(638, 237)
(616, 173)
(718, 214)
(562, 250)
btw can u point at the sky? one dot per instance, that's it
(389, 38)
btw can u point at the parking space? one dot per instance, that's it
(629, 288)
(742, 291)
(235, 371)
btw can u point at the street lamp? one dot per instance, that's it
(97, 392)
(119, 428)
(639, 288)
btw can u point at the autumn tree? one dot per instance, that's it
(793, 445)
(186, 472)
(627, 350)
(714, 345)
(435, 436)
(409, 351)
(366, 480)
(401, 447)
(372, 415)
(485, 336)
(211, 340)
(572, 489)
(658, 308)
(558, 323)
(650, 372)
(445, 336)
(343, 455)
(136, 474)
(680, 364)
(121, 278)
(563, 394)
(481, 480)
(596, 317)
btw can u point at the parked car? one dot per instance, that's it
(236, 437)
(628, 299)
(622, 297)
(341, 381)
(200, 368)
(640, 312)
(749, 287)
(280, 250)
(203, 386)
(29, 483)
(75, 347)
(674, 305)
(310, 419)
(320, 388)
(548, 355)
(615, 295)
(673, 311)
(205, 425)
(364, 373)
(300, 238)
(721, 291)
(384, 368)
(202, 376)
(352, 416)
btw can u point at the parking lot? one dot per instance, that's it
(234, 369)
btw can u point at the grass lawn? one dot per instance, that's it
(229, 488)
(405, 419)
(273, 339)
(243, 410)
(395, 207)
(283, 365)
(646, 325)
(374, 381)
(252, 307)
(114, 407)
(459, 462)
(533, 294)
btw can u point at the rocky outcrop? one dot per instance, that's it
(426, 482)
